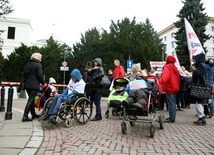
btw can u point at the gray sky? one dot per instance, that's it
(67, 19)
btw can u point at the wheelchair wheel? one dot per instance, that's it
(45, 108)
(68, 122)
(152, 131)
(64, 111)
(107, 114)
(132, 123)
(121, 114)
(48, 104)
(114, 112)
(161, 121)
(82, 110)
(123, 128)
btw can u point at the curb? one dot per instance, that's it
(36, 138)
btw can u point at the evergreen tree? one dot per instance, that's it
(193, 11)
(52, 58)
(88, 49)
(157, 47)
(14, 64)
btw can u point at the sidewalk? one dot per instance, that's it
(17, 137)
(105, 137)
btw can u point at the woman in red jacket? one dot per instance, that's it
(118, 70)
(170, 79)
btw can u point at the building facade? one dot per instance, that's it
(167, 36)
(15, 32)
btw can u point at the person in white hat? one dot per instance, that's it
(52, 83)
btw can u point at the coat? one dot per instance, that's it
(96, 77)
(199, 75)
(170, 77)
(119, 72)
(33, 75)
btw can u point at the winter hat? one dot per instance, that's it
(76, 74)
(199, 58)
(52, 80)
(99, 61)
(170, 59)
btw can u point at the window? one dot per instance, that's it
(172, 44)
(172, 35)
(212, 28)
(11, 33)
(165, 38)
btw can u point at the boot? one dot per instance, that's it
(43, 118)
(48, 121)
(125, 103)
(200, 121)
(25, 117)
(33, 113)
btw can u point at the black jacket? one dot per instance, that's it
(33, 74)
(96, 76)
(199, 75)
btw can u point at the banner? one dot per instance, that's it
(177, 64)
(158, 64)
(194, 45)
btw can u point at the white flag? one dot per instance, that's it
(194, 45)
(177, 64)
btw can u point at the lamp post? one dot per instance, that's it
(64, 67)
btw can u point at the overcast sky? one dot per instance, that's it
(67, 19)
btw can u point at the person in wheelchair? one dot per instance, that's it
(52, 83)
(75, 85)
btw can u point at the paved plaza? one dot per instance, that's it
(105, 137)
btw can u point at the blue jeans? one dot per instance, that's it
(212, 105)
(96, 97)
(171, 100)
(55, 105)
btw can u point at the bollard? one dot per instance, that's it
(2, 108)
(8, 114)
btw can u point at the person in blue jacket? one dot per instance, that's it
(75, 85)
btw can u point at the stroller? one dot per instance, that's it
(151, 90)
(117, 95)
(43, 100)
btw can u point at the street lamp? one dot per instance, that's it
(66, 51)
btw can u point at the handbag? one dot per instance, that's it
(105, 80)
(22, 84)
(201, 90)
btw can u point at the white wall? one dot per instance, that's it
(23, 33)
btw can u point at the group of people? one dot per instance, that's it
(173, 85)
(34, 80)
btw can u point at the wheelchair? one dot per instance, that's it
(42, 110)
(78, 108)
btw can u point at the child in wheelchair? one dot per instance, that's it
(76, 85)
(52, 83)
